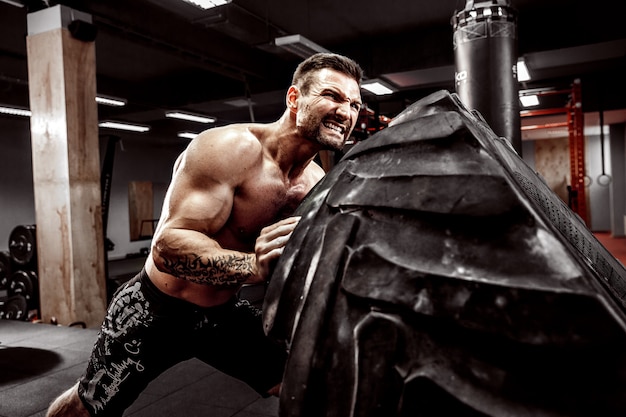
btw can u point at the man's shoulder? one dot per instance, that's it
(232, 132)
(229, 149)
(235, 139)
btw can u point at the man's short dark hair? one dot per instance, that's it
(302, 76)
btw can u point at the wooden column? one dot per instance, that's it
(66, 169)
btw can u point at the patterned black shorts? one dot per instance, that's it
(146, 332)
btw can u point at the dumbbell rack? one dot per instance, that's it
(19, 284)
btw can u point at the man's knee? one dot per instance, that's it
(68, 405)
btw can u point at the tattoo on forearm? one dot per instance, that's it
(219, 270)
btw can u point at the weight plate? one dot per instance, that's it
(25, 283)
(5, 269)
(14, 308)
(23, 244)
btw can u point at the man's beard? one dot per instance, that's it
(311, 129)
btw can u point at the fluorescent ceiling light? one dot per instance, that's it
(124, 126)
(529, 101)
(207, 4)
(189, 116)
(377, 87)
(13, 3)
(110, 101)
(14, 111)
(187, 135)
(299, 45)
(522, 71)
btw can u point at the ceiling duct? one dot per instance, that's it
(236, 22)
(299, 45)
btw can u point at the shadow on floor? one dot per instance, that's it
(24, 362)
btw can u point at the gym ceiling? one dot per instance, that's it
(164, 55)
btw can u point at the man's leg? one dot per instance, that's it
(131, 350)
(68, 405)
(233, 342)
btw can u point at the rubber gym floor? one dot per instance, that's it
(39, 361)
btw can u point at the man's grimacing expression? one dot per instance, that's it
(329, 111)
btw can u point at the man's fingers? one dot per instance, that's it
(277, 232)
(271, 243)
(288, 223)
(277, 238)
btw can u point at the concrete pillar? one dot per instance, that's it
(66, 167)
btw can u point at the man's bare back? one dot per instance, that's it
(231, 209)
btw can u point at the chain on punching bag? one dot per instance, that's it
(485, 48)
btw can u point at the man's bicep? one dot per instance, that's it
(206, 178)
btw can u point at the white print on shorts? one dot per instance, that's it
(116, 375)
(129, 310)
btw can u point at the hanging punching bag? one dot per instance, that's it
(485, 48)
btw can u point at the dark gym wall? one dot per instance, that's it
(17, 202)
(599, 202)
(134, 161)
(550, 158)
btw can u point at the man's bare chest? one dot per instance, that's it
(264, 203)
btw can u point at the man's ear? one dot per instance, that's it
(292, 98)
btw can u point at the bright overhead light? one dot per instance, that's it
(124, 126)
(529, 100)
(299, 45)
(110, 101)
(189, 116)
(377, 87)
(13, 3)
(207, 4)
(187, 135)
(14, 111)
(522, 71)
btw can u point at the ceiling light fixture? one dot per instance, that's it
(529, 100)
(13, 3)
(111, 101)
(207, 4)
(522, 71)
(14, 111)
(299, 45)
(190, 116)
(187, 135)
(378, 87)
(124, 126)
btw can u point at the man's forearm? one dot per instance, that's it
(228, 269)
